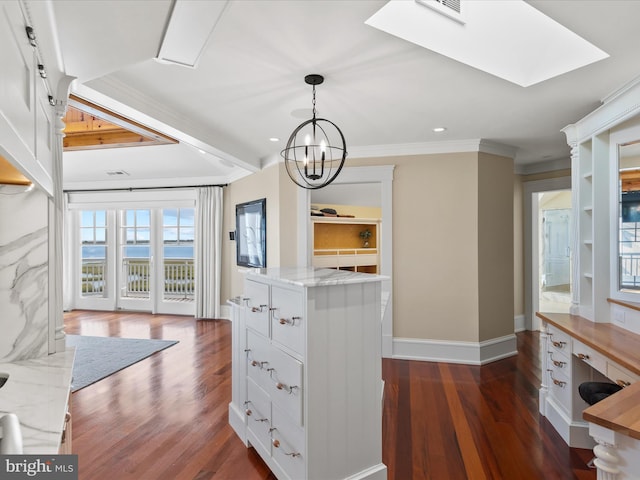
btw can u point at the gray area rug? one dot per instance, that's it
(98, 357)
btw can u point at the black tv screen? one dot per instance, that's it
(251, 233)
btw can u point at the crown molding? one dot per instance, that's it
(430, 148)
(619, 106)
(541, 167)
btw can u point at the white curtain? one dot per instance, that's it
(208, 248)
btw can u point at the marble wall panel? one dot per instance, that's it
(23, 276)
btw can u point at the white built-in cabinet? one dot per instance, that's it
(306, 373)
(26, 116)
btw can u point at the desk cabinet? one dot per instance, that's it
(307, 373)
(566, 363)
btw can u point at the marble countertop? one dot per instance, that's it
(37, 391)
(313, 277)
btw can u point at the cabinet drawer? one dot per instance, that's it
(558, 340)
(287, 319)
(258, 359)
(258, 411)
(257, 298)
(286, 384)
(589, 356)
(287, 442)
(620, 375)
(560, 387)
(558, 361)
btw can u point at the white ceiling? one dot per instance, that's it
(249, 84)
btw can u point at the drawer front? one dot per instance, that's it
(286, 384)
(559, 341)
(589, 356)
(258, 411)
(257, 301)
(558, 361)
(287, 319)
(620, 375)
(287, 442)
(258, 359)
(560, 387)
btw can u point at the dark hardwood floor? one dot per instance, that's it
(166, 416)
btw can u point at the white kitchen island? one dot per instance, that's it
(307, 381)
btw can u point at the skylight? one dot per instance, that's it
(508, 39)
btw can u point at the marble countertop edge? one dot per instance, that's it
(37, 392)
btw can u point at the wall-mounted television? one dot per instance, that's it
(251, 233)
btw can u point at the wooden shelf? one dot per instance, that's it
(337, 243)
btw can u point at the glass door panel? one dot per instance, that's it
(177, 276)
(136, 260)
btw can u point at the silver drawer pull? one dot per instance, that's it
(292, 321)
(623, 383)
(286, 388)
(255, 363)
(276, 443)
(559, 383)
(258, 309)
(248, 412)
(557, 363)
(582, 356)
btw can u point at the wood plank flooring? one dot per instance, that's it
(166, 417)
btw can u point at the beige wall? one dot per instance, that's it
(273, 184)
(495, 246)
(435, 245)
(440, 253)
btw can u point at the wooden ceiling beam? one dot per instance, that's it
(89, 126)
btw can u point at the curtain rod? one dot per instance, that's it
(131, 189)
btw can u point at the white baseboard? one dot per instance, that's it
(470, 353)
(225, 312)
(519, 323)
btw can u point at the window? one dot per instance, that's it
(93, 238)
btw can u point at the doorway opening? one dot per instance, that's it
(554, 251)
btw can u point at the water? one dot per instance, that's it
(138, 251)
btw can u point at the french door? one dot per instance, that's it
(137, 259)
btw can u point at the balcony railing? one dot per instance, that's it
(630, 270)
(179, 278)
(93, 276)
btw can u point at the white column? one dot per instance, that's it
(606, 460)
(56, 220)
(575, 229)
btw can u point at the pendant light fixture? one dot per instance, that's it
(316, 150)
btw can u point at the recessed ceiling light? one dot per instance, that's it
(274, 139)
(511, 40)
(439, 129)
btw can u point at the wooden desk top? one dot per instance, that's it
(618, 344)
(621, 411)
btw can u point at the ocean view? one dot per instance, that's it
(96, 251)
